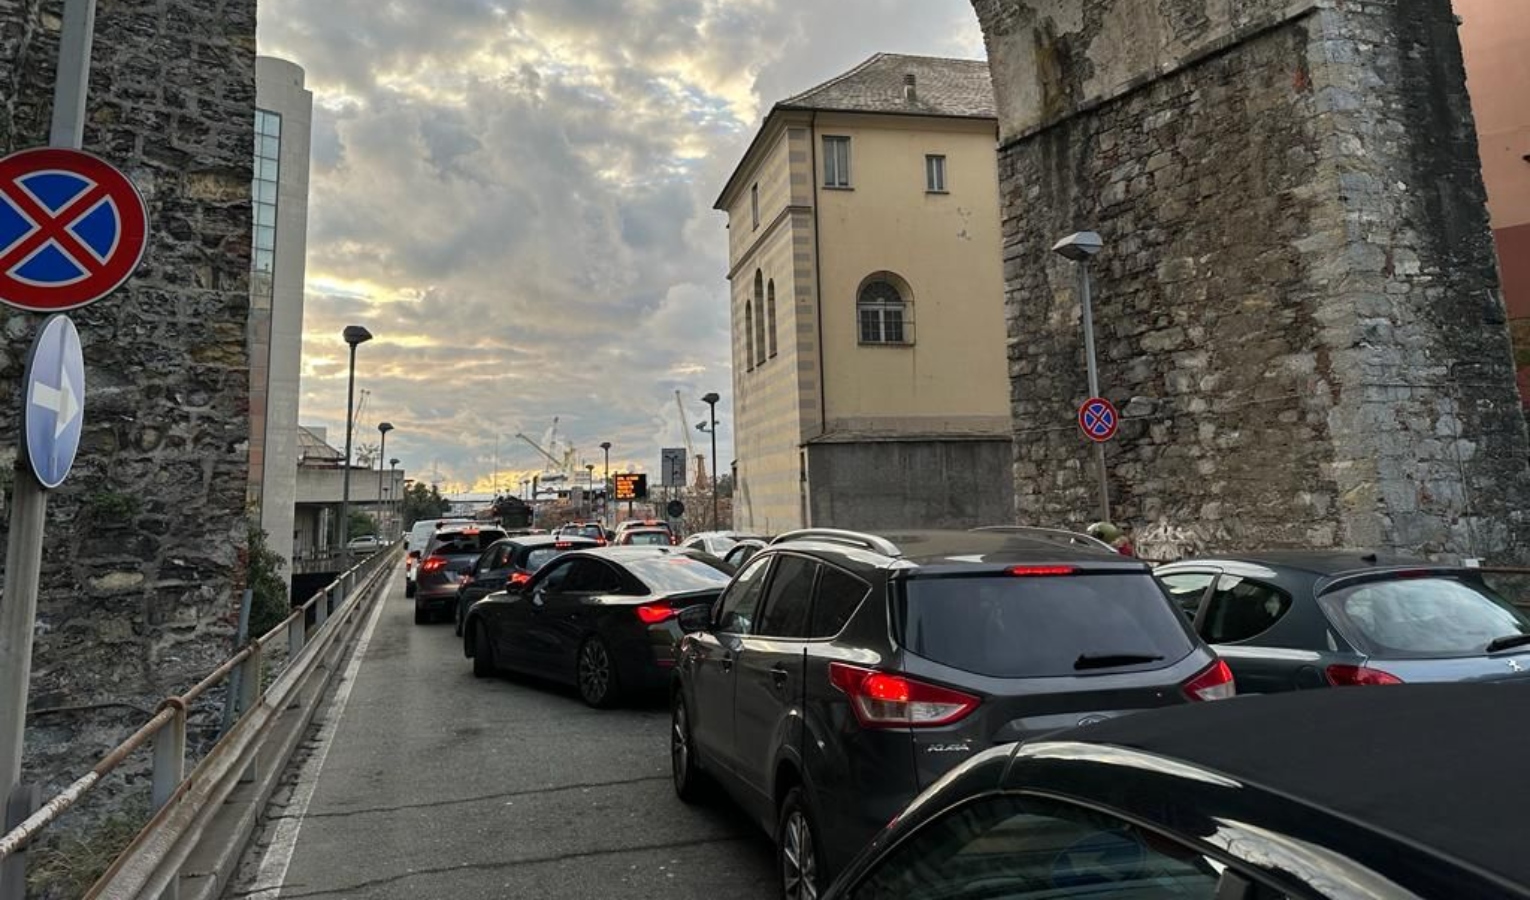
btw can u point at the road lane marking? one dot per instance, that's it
(278, 856)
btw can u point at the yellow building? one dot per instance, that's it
(869, 374)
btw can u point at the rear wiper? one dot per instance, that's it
(1112, 660)
(1507, 641)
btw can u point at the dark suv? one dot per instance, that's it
(841, 673)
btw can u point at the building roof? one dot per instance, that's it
(942, 87)
(1428, 763)
(312, 450)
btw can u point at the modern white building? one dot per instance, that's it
(283, 137)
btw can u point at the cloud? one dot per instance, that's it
(515, 197)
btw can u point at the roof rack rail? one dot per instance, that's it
(839, 536)
(1077, 537)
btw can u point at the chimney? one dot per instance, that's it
(909, 94)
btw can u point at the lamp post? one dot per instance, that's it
(606, 484)
(1081, 247)
(589, 469)
(711, 401)
(382, 453)
(354, 335)
(396, 492)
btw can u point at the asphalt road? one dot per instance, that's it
(431, 783)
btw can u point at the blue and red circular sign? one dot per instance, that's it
(72, 229)
(1098, 419)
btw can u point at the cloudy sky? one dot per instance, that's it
(515, 197)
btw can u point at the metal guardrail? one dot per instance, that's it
(182, 803)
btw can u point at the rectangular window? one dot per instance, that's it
(935, 174)
(754, 202)
(836, 162)
(881, 325)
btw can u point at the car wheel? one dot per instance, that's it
(421, 617)
(457, 609)
(596, 674)
(690, 782)
(408, 588)
(483, 655)
(797, 849)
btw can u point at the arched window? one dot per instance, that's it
(881, 309)
(770, 314)
(749, 331)
(759, 322)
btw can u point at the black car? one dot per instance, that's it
(842, 673)
(605, 620)
(1292, 620)
(1334, 795)
(592, 530)
(511, 561)
(446, 559)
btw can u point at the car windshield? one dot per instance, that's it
(1009, 626)
(1419, 618)
(678, 573)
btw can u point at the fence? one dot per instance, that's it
(184, 804)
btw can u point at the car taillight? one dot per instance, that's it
(518, 578)
(654, 613)
(1215, 683)
(673, 540)
(434, 564)
(881, 700)
(1345, 676)
(1024, 571)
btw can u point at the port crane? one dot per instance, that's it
(690, 448)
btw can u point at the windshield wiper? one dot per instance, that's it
(1507, 641)
(1112, 660)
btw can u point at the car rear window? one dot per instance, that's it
(1008, 626)
(589, 531)
(541, 556)
(677, 574)
(456, 543)
(648, 538)
(1419, 618)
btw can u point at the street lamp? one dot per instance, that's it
(605, 484)
(1082, 247)
(589, 469)
(396, 492)
(382, 453)
(353, 335)
(711, 401)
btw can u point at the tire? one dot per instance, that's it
(595, 674)
(691, 784)
(457, 613)
(797, 857)
(409, 586)
(483, 655)
(421, 617)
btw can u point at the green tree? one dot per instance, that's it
(269, 605)
(361, 524)
(423, 502)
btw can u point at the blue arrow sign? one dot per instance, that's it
(54, 413)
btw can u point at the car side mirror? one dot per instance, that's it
(695, 618)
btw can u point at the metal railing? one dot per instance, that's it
(182, 803)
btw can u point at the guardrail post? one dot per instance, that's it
(249, 696)
(296, 637)
(169, 771)
(24, 800)
(321, 609)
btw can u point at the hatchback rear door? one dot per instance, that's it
(1044, 648)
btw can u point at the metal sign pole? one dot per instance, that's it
(23, 558)
(1087, 304)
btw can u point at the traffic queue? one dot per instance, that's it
(1027, 712)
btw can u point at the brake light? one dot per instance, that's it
(654, 613)
(408, 563)
(1024, 571)
(563, 545)
(518, 578)
(881, 700)
(434, 564)
(1345, 676)
(1215, 683)
(673, 540)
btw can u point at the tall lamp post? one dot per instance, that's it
(397, 493)
(354, 335)
(589, 470)
(605, 496)
(382, 453)
(1082, 247)
(711, 401)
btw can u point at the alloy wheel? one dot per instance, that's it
(594, 671)
(679, 747)
(799, 866)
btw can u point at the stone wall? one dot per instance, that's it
(909, 484)
(141, 566)
(1298, 305)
